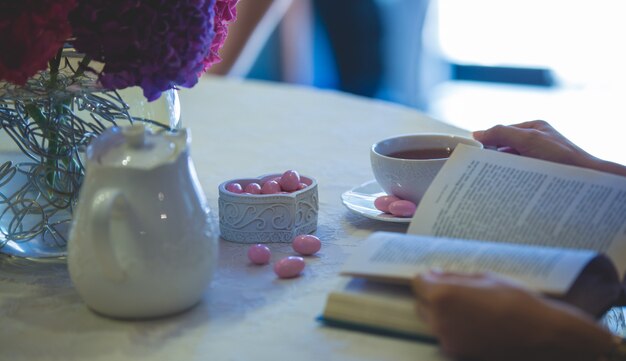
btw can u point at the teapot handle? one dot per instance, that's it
(108, 203)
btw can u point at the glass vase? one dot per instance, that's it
(46, 125)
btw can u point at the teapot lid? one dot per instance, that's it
(133, 147)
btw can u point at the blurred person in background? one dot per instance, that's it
(376, 48)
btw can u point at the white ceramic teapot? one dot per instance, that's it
(142, 243)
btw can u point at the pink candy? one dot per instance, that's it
(289, 267)
(395, 206)
(382, 203)
(234, 187)
(306, 244)
(271, 187)
(402, 208)
(289, 181)
(259, 254)
(253, 188)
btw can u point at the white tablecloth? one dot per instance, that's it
(239, 129)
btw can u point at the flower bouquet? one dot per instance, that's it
(64, 68)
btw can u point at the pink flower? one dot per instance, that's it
(225, 13)
(31, 33)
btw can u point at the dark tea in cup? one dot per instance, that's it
(429, 153)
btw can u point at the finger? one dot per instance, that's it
(471, 279)
(424, 284)
(533, 124)
(441, 274)
(420, 288)
(455, 279)
(422, 312)
(502, 135)
(428, 284)
(494, 279)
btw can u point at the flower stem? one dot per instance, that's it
(54, 65)
(44, 124)
(82, 66)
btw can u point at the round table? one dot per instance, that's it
(239, 129)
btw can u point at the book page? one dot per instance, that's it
(396, 256)
(492, 196)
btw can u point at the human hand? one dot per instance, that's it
(536, 139)
(482, 317)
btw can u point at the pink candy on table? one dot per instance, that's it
(402, 208)
(289, 181)
(289, 267)
(306, 244)
(259, 254)
(382, 203)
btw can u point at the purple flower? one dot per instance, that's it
(154, 44)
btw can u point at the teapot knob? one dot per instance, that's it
(136, 135)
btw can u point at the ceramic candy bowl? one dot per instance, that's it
(267, 218)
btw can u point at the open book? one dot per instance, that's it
(558, 229)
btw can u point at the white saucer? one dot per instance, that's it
(360, 200)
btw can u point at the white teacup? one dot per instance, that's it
(405, 165)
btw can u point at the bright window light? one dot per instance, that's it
(582, 41)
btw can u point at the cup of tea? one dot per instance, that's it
(405, 165)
